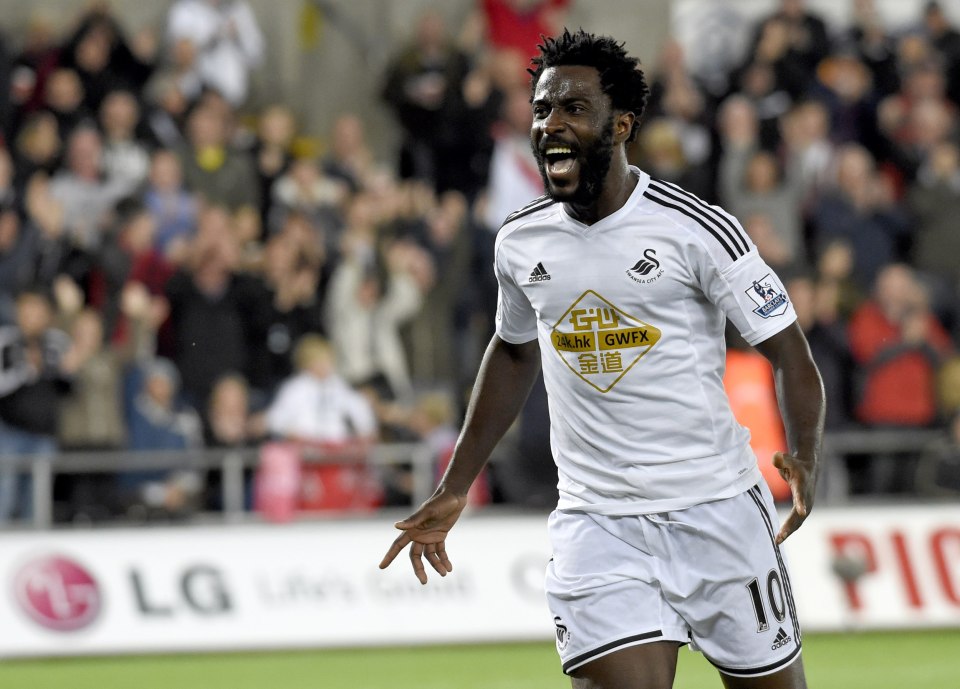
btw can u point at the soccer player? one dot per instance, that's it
(619, 285)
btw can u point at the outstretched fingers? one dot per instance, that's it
(399, 543)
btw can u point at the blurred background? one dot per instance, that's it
(245, 284)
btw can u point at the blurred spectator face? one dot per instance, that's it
(913, 49)
(160, 385)
(87, 331)
(229, 409)
(277, 126)
(183, 53)
(836, 261)
(661, 148)
(119, 114)
(207, 129)
(792, 8)
(34, 314)
(165, 172)
(40, 139)
(278, 259)
(84, 153)
(854, 169)
(930, 122)
(738, 120)
(64, 92)
(93, 51)
(762, 174)
(314, 355)
(898, 293)
(683, 100)
(944, 159)
(139, 232)
(213, 223)
(935, 20)
(758, 80)
(772, 249)
(846, 76)
(926, 81)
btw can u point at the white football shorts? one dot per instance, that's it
(710, 575)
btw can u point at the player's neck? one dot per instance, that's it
(617, 187)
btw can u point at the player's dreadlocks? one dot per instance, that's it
(620, 75)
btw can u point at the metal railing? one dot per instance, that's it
(229, 461)
(232, 463)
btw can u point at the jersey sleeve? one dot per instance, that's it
(516, 320)
(749, 292)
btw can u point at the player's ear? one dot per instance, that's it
(623, 125)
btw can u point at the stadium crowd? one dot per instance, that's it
(181, 270)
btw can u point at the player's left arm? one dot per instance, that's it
(802, 405)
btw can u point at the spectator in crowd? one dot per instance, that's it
(38, 58)
(174, 209)
(211, 309)
(794, 40)
(230, 422)
(124, 156)
(438, 330)
(306, 190)
(160, 421)
(844, 87)
(808, 152)
(316, 405)
(64, 99)
(88, 198)
(166, 110)
(212, 168)
(272, 155)
(127, 255)
(292, 308)
(366, 310)
(862, 211)
(92, 414)
(945, 39)
(818, 314)
(227, 41)
(37, 148)
(934, 201)
(423, 85)
(349, 157)
(514, 180)
(897, 344)
(515, 26)
(753, 183)
(36, 366)
(877, 49)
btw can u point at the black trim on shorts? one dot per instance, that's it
(788, 589)
(755, 671)
(579, 660)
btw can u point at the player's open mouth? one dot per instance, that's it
(561, 161)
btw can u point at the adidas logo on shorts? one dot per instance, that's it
(781, 640)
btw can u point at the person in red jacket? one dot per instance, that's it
(897, 344)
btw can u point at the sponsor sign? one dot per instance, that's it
(317, 584)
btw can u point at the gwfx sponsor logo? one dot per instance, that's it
(599, 342)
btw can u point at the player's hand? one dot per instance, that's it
(801, 477)
(426, 529)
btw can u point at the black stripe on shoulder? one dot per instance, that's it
(684, 211)
(713, 211)
(705, 214)
(535, 205)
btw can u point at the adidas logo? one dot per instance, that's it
(539, 274)
(781, 640)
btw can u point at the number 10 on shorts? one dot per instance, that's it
(774, 595)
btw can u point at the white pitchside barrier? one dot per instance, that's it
(317, 584)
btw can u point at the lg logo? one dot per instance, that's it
(58, 593)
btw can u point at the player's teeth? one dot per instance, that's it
(559, 149)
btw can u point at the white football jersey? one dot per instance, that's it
(629, 313)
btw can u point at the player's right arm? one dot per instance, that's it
(506, 375)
